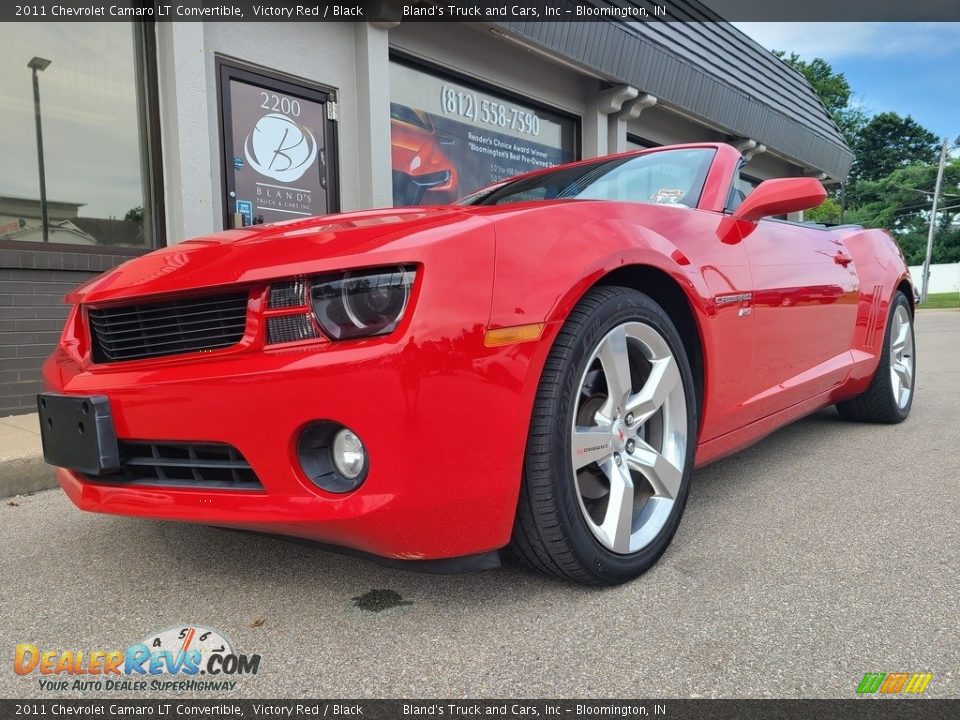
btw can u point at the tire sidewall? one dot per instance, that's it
(898, 300)
(606, 565)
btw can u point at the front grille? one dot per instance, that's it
(204, 465)
(134, 332)
(290, 328)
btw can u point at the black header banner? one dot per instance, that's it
(506, 709)
(391, 11)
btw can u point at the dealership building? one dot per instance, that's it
(120, 137)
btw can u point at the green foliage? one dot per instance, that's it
(895, 199)
(832, 87)
(135, 214)
(827, 212)
(946, 245)
(900, 202)
(889, 141)
(942, 300)
(833, 90)
(895, 164)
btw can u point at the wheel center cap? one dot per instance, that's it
(619, 437)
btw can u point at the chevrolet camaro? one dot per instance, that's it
(538, 367)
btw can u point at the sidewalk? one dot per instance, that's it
(22, 469)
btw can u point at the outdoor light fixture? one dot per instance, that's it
(39, 64)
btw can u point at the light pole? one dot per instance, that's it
(39, 64)
(933, 218)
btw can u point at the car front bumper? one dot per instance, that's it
(444, 423)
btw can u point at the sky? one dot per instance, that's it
(910, 68)
(91, 142)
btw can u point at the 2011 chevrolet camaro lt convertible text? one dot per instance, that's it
(539, 366)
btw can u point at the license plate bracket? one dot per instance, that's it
(78, 433)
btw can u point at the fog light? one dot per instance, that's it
(332, 456)
(348, 454)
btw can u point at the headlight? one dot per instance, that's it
(361, 303)
(431, 179)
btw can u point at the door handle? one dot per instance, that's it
(841, 258)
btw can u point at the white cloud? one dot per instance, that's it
(840, 40)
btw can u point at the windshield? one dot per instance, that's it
(664, 177)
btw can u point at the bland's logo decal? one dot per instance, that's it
(280, 148)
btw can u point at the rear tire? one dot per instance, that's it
(889, 396)
(611, 443)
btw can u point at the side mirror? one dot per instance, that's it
(779, 197)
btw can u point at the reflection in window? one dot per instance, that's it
(742, 186)
(666, 177)
(635, 142)
(90, 112)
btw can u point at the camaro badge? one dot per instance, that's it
(737, 297)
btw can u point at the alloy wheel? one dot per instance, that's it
(901, 356)
(629, 437)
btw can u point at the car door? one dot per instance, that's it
(805, 295)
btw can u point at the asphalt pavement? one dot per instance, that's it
(826, 551)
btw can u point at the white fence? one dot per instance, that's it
(944, 278)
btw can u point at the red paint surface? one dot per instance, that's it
(443, 416)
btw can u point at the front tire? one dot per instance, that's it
(889, 396)
(611, 443)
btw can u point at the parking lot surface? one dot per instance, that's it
(826, 551)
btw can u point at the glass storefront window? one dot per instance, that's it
(449, 138)
(85, 82)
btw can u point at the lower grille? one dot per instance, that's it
(135, 332)
(202, 465)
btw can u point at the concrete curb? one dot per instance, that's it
(19, 476)
(22, 469)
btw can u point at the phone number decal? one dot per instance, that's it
(489, 112)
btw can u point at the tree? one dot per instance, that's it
(891, 182)
(831, 87)
(135, 214)
(833, 90)
(881, 143)
(901, 202)
(889, 141)
(826, 212)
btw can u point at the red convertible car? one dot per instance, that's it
(540, 366)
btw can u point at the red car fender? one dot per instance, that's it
(559, 286)
(882, 269)
(600, 246)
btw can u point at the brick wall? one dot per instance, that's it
(32, 286)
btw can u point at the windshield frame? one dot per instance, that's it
(483, 196)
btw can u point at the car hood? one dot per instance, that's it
(313, 245)
(284, 249)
